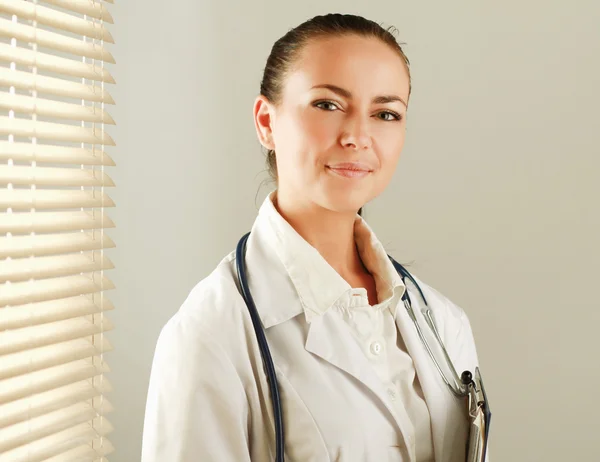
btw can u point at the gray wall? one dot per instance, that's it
(498, 180)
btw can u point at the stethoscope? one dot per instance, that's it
(457, 385)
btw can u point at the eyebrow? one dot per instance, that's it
(346, 94)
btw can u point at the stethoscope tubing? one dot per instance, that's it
(264, 349)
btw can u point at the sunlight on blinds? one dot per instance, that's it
(54, 124)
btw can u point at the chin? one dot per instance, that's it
(342, 204)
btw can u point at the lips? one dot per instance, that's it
(350, 169)
(354, 166)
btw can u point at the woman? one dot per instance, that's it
(356, 382)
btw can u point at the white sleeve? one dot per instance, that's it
(196, 407)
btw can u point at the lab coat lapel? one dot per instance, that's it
(434, 389)
(329, 339)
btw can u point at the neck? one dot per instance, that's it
(330, 232)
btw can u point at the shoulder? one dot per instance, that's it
(211, 321)
(440, 304)
(454, 326)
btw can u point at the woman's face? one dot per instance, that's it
(340, 127)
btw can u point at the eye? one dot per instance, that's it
(395, 116)
(317, 104)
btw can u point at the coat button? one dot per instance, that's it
(376, 348)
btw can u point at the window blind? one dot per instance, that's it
(54, 59)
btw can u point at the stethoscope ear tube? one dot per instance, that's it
(264, 349)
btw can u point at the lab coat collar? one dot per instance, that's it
(281, 250)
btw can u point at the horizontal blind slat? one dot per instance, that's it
(19, 293)
(26, 338)
(32, 314)
(42, 403)
(88, 452)
(52, 176)
(53, 86)
(53, 154)
(58, 64)
(55, 444)
(51, 378)
(54, 131)
(13, 436)
(52, 244)
(49, 108)
(21, 199)
(54, 266)
(49, 222)
(54, 41)
(23, 362)
(91, 8)
(56, 19)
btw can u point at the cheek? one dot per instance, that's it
(393, 144)
(313, 136)
(305, 131)
(317, 131)
(299, 139)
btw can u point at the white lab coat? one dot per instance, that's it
(208, 398)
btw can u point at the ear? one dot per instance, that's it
(263, 121)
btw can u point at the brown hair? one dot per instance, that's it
(287, 49)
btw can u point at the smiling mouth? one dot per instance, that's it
(349, 172)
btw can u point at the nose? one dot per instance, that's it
(356, 135)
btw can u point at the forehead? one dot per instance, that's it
(365, 66)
